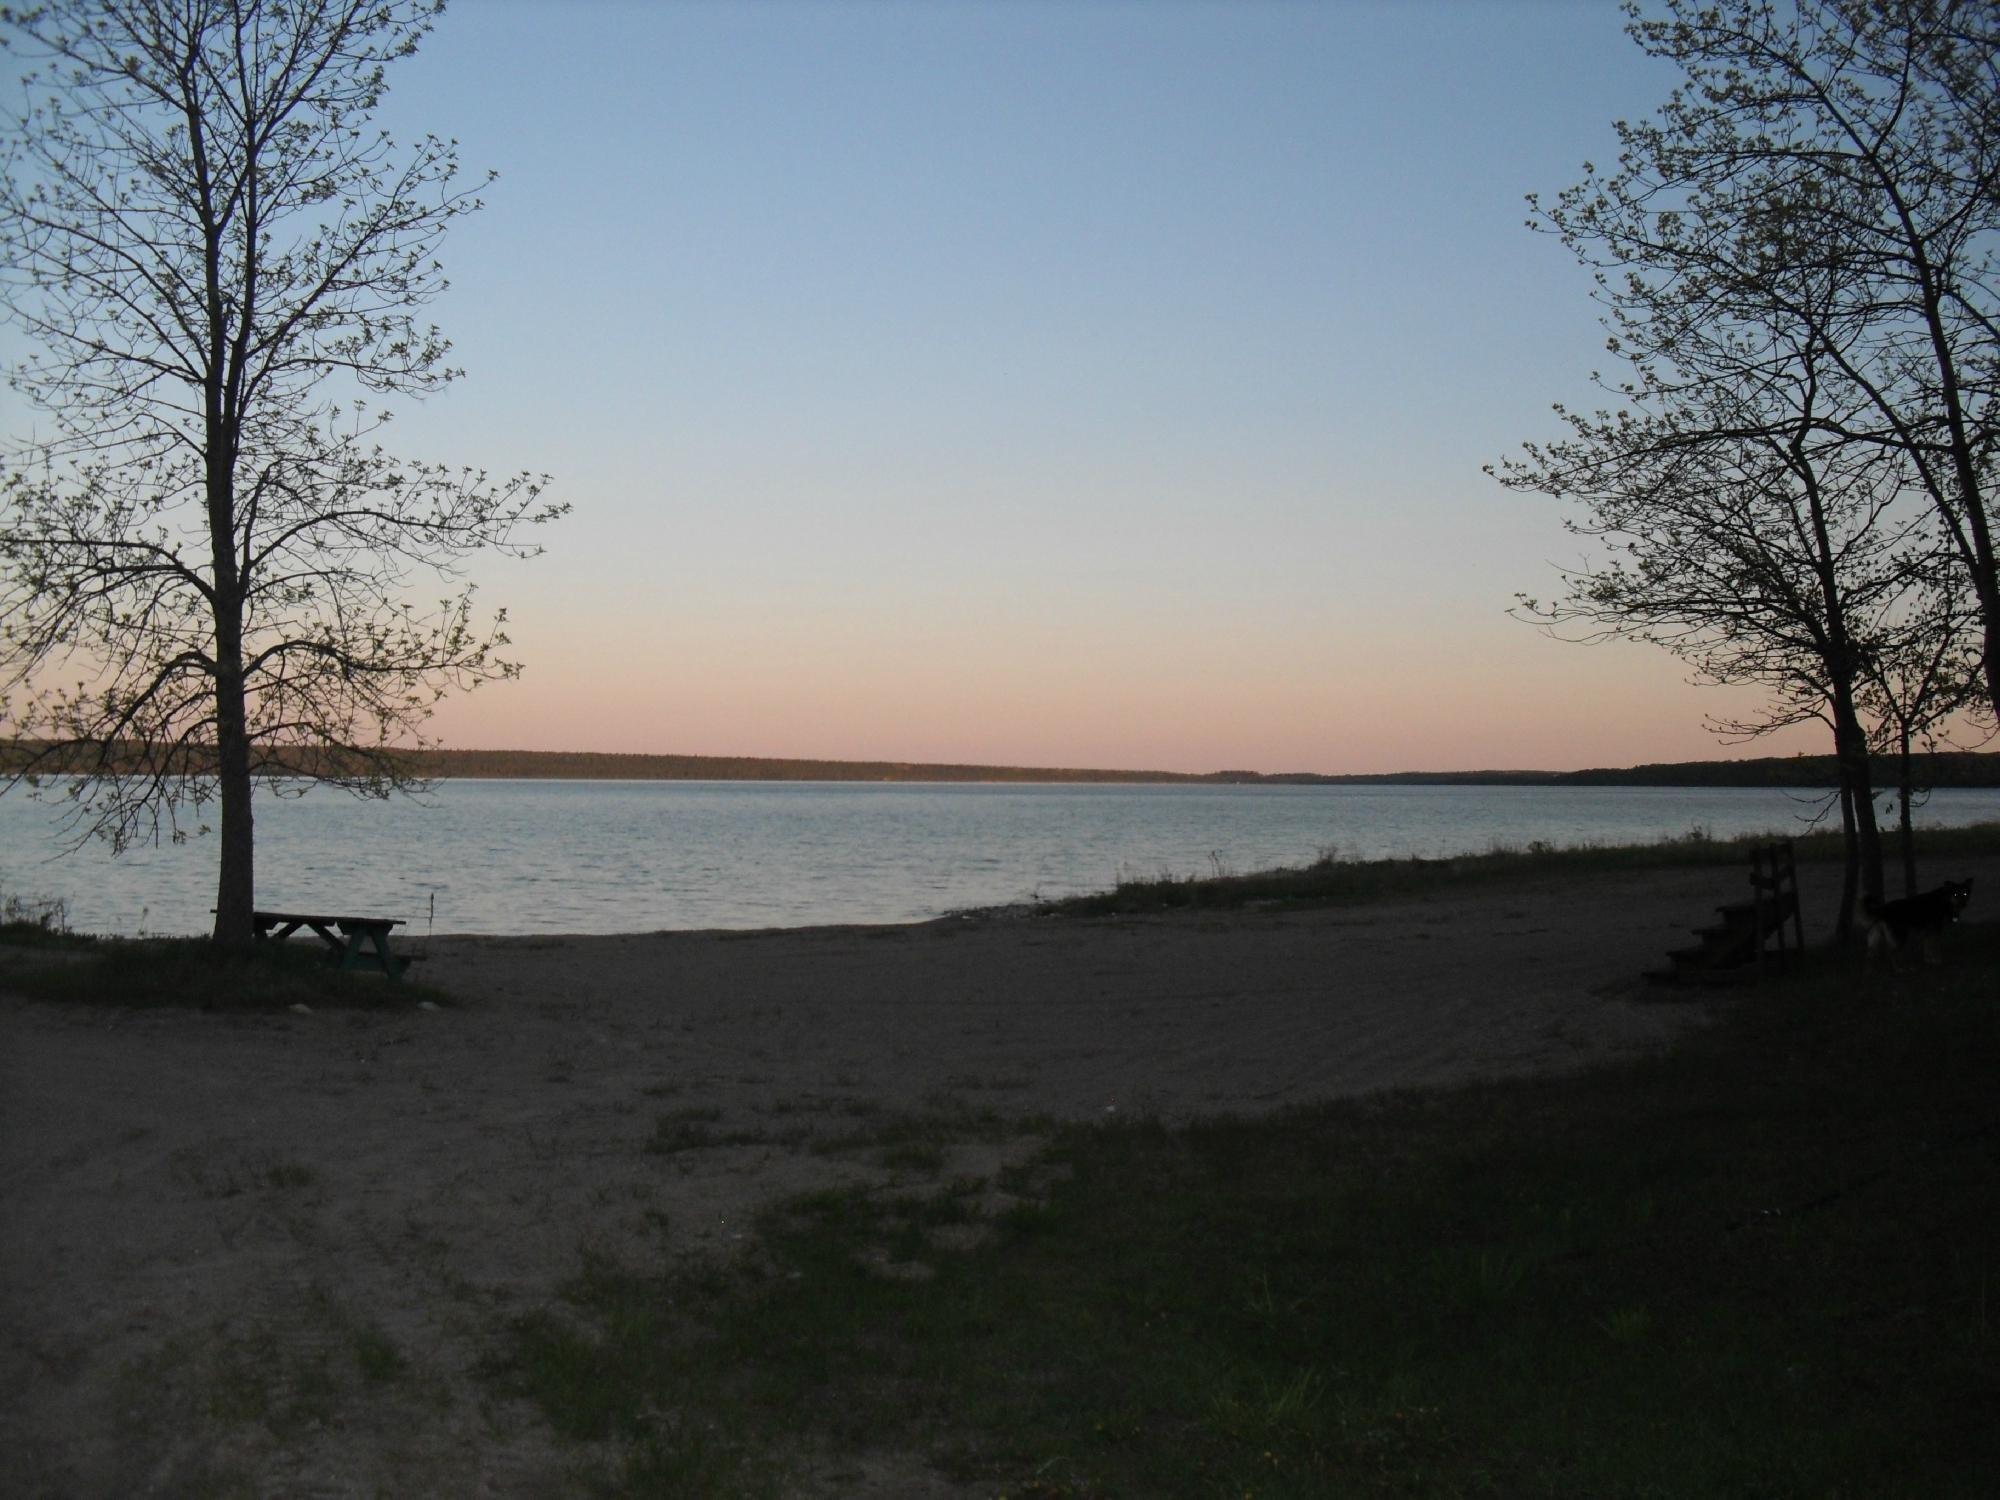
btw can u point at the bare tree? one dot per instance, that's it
(1858, 138)
(208, 563)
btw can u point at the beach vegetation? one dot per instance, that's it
(289, 1175)
(1333, 881)
(691, 1128)
(212, 573)
(35, 921)
(1758, 1264)
(269, 1377)
(943, 1120)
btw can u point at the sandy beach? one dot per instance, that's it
(205, 1215)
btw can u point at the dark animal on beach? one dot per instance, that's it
(1893, 924)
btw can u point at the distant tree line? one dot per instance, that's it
(419, 766)
(414, 767)
(1798, 258)
(1939, 768)
(596, 766)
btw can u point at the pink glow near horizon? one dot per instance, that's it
(1583, 707)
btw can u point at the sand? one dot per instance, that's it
(210, 1222)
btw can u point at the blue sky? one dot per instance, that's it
(1090, 383)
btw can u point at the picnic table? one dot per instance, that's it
(359, 942)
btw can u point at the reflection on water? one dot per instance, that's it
(540, 856)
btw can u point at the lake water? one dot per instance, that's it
(577, 857)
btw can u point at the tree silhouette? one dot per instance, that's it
(1737, 536)
(1833, 164)
(1797, 260)
(208, 562)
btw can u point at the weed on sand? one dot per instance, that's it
(1332, 881)
(1760, 1265)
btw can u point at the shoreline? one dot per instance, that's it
(1361, 883)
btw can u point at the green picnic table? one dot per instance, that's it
(359, 942)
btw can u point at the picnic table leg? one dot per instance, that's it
(391, 965)
(351, 956)
(355, 952)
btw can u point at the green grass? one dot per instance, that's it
(695, 1128)
(1332, 881)
(916, 1139)
(1762, 1265)
(193, 972)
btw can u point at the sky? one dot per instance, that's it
(1099, 383)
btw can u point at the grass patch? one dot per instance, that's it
(1762, 1265)
(698, 1128)
(918, 1140)
(193, 972)
(376, 1357)
(285, 1175)
(1332, 881)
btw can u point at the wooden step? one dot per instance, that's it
(1732, 949)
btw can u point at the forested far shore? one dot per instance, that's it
(1945, 769)
(1956, 768)
(580, 765)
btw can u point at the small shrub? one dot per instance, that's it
(35, 922)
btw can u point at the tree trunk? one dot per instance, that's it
(1971, 531)
(236, 878)
(1851, 750)
(236, 881)
(1905, 776)
(1991, 607)
(1843, 927)
(1850, 738)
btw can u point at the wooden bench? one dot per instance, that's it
(1774, 884)
(358, 942)
(1738, 945)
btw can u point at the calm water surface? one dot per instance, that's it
(541, 856)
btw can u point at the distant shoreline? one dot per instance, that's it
(1954, 768)
(1946, 769)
